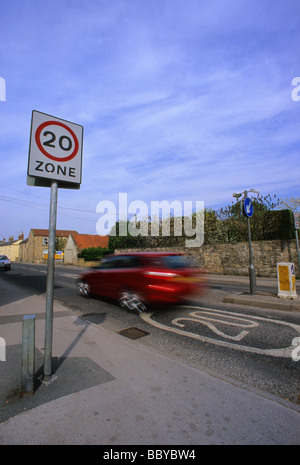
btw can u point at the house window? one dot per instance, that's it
(45, 240)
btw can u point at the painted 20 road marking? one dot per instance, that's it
(210, 317)
(199, 317)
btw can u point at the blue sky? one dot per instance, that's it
(179, 100)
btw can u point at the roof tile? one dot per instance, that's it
(58, 232)
(84, 241)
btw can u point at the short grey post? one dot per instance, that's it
(50, 282)
(28, 354)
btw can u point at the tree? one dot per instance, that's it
(265, 222)
(60, 243)
(292, 204)
(233, 222)
(215, 228)
(117, 241)
(228, 224)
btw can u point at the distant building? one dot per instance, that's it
(77, 242)
(35, 250)
(23, 250)
(10, 248)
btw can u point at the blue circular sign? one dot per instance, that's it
(248, 207)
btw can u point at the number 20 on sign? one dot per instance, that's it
(55, 151)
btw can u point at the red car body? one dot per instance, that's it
(140, 279)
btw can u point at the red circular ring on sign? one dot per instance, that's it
(57, 123)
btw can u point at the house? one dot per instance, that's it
(77, 242)
(23, 250)
(10, 248)
(36, 248)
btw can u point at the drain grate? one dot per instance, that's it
(133, 333)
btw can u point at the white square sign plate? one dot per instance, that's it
(55, 151)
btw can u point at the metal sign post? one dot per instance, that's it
(50, 282)
(55, 160)
(247, 210)
(252, 275)
(296, 222)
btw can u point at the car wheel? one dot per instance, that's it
(83, 288)
(131, 301)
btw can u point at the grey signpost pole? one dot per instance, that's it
(248, 212)
(50, 283)
(252, 276)
(296, 223)
(297, 244)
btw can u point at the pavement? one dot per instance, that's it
(109, 390)
(260, 299)
(264, 300)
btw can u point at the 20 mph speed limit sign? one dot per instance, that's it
(55, 152)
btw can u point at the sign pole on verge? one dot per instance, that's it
(252, 275)
(55, 160)
(247, 210)
(50, 282)
(296, 223)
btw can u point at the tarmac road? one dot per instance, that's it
(191, 334)
(110, 390)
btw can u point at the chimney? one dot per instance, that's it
(21, 236)
(11, 238)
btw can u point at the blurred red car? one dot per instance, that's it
(140, 279)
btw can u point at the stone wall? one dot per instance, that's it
(233, 259)
(86, 264)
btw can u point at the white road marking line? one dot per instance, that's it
(66, 275)
(285, 352)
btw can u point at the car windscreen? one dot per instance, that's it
(3, 257)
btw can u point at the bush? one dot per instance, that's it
(94, 253)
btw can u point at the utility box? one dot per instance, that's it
(286, 280)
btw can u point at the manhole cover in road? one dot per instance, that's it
(132, 333)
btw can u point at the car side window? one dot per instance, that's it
(108, 263)
(120, 262)
(172, 262)
(129, 262)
